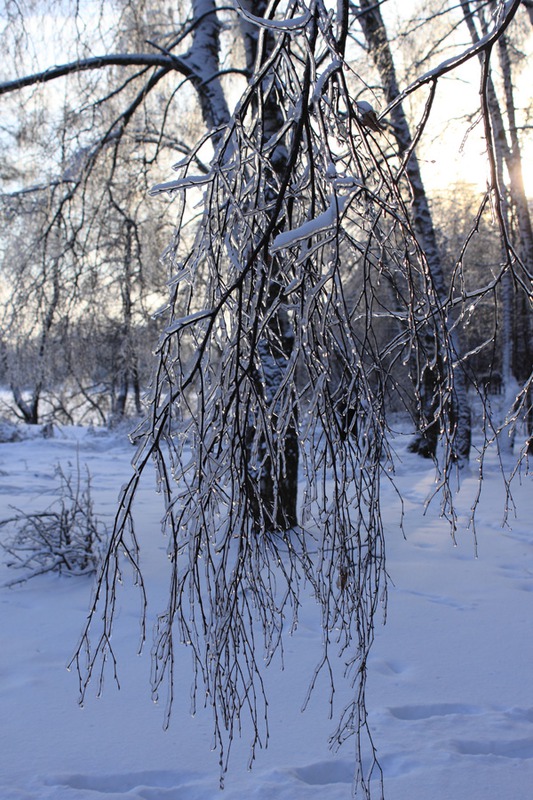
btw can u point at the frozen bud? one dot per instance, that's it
(367, 116)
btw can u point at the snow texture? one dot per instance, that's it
(449, 674)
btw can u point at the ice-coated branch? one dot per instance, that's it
(507, 13)
(167, 62)
(287, 25)
(303, 297)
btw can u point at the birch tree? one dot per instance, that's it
(303, 297)
(517, 252)
(81, 241)
(432, 373)
(269, 252)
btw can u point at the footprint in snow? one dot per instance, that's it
(418, 712)
(439, 599)
(390, 667)
(325, 772)
(517, 748)
(122, 783)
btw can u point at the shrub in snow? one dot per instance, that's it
(66, 537)
(9, 432)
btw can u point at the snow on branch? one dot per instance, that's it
(183, 322)
(328, 220)
(272, 384)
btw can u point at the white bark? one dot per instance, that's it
(505, 145)
(204, 60)
(460, 421)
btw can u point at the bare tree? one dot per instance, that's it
(80, 242)
(270, 247)
(433, 371)
(278, 328)
(517, 252)
(41, 288)
(65, 281)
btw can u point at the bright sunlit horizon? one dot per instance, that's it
(448, 164)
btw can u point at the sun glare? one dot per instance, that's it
(527, 168)
(451, 161)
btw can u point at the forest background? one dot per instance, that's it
(83, 144)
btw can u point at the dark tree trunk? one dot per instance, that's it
(28, 410)
(277, 482)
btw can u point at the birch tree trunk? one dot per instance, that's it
(517, 350)
(522, 347)
(431, 374)
(203, 58)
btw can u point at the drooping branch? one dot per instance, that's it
(433, 376)
(303, 221)
(276, 245)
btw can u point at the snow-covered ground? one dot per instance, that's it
(451, 673)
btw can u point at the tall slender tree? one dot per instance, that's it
(517, 253)
(432, 377)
